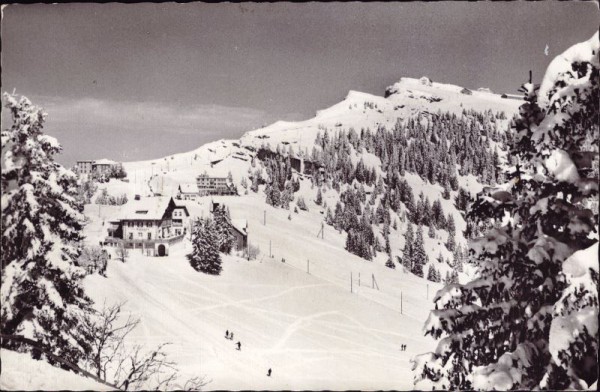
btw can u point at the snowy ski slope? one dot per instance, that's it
(297, 317)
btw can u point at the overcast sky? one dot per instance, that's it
(141, 81)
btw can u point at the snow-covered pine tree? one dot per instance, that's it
(432, 274)
(222, 226)
(319, 199)
(451, 243)
(419, 256)
(451, 227)
(431, 231)
(407, 253)
(496, 329)
(205, 255)
(388, 249)
(41, 293)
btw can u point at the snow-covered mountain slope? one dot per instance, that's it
(22, 373)
(308, 328)
(404, 99)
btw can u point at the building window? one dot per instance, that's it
(130, 236)
(141, 235)
(149, 236)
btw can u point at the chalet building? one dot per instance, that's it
(84, 167)
(150, 224)
(188, 192)
(101, 166)
(213, 186)
(240, 233)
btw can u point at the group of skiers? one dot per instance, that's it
(229, 336)
(403, 347)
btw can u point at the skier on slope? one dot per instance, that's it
(239, 346)
(269, 373)
(227, 334)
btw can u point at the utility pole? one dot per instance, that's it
(401, 302)
(359, 279)
(350, 281)
(270, 250)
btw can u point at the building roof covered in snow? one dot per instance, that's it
(240, 225)
(149, 208)
(189, 188)
(104, 162)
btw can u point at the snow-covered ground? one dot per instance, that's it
(307, 327)
(317, 319)
(22, 373)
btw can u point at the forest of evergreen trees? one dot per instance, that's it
(437, 147)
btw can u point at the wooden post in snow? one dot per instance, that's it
(308, 266)
(401, 302)
(270, 249)
(374, 282)
(350, 281)
(359, 279)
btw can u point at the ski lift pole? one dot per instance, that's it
(374, 282)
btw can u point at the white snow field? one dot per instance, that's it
(308, 328)
(22, 373)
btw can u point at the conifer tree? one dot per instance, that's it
(431, 231)
(451, 226)
(205, 255)
(222, 225)
(432, 274)
(407, 253)
(41, 293)
(451, 243)
(496, 328)
(419, 257)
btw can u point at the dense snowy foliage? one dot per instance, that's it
(222, 227)
(41, 295)
(494, 331)
(205, 256)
